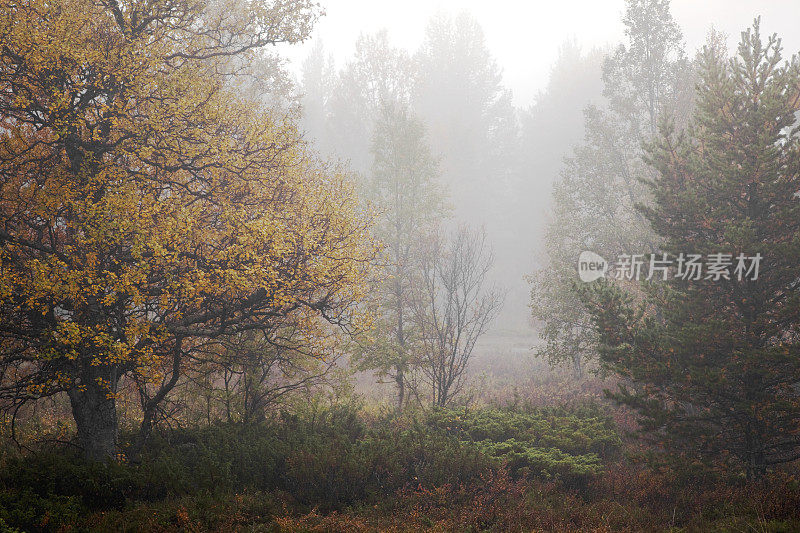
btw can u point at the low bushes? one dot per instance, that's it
(547, 444)
(329, 461)
(339, 470)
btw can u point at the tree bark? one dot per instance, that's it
(95, 414)
(401, 388)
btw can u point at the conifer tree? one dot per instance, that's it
(712, 366)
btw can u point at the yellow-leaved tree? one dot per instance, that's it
(147, 205)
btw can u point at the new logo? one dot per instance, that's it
(591, 266)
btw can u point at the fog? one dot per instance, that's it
(541, 66)
(525, 37)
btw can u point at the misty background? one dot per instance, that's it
(500, 89)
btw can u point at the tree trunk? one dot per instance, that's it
(150, 405)
(577, 366)
(756, 465)
(756, 461)
(400, 379)
(95, 415)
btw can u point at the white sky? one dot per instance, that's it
(524, 36)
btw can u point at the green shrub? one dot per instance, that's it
(522, 458)
(29, 511)
(549, 444)
(328, 459)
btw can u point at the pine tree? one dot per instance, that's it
(712, 367)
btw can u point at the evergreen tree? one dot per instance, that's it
(711, 365)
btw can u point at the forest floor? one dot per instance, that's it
(529, 448)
